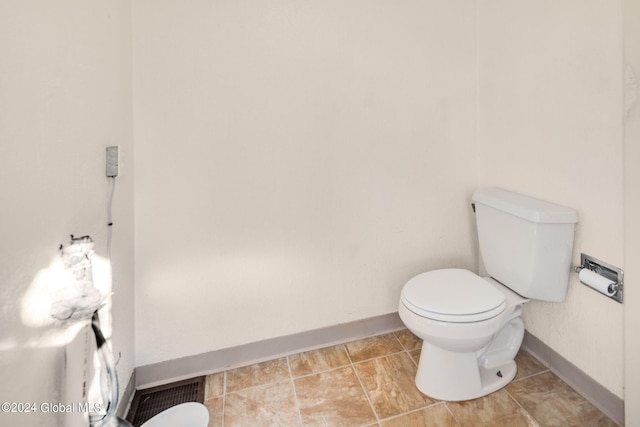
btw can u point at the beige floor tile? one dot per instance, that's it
(494, 410)
(553, 403)
(333, 398)
(214, 406)
(329, 390)
(259, 374)
(268, 405)
(214, 385)
(433, 416)
(369, 348)
(408, 340)
(527, 365)
(320, 360)
(390, 383)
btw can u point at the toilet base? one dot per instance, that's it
(452, 376)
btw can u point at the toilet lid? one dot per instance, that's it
(452, 295)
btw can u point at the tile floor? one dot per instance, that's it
(371, 383)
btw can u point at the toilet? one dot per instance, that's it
(471, 326)
(190, 414)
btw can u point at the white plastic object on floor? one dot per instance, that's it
(190, 414)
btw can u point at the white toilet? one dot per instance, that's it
(190, 414)
(470, 325)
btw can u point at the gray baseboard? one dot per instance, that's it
(221, 360)
(127, 396)
(594, 392)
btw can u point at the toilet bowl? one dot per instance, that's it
(470, 325)
(471, 331)
(190, 414)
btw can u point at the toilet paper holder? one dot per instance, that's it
(605, 270)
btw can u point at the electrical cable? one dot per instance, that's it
(110, 390)
(110, 218)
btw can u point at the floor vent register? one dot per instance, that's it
(149, 402)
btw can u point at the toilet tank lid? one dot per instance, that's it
(529, 208)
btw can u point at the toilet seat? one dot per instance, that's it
(452, 295)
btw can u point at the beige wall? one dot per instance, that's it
(65, 94)
(549, 125)
(304, 159)
(297, 162)
(631, 13)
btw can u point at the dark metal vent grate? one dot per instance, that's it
(149, 402)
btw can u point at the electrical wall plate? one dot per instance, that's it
(112, 161)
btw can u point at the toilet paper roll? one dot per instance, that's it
(597, 282)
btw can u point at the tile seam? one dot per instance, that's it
(295, 393)
(259, 386)
(366, 395)
(455, 420)
(224, 395)
(529, 414)
(422, 408)
(379, 357)
(530, 376)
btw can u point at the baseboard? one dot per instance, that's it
(594, 392)
(221, 360)
(127, 396)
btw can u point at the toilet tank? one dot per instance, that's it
(525, 243)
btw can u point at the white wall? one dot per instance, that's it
(549, 125)
(300, 161)
(296, 163)
(631, 13)
(65, 94)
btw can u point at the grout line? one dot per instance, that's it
(411, 411)
(411, 357)
(366, 395)
(323, 372)
(348, 354)
(455, 420)
(295, 393)
(375, 413)
(329, 369)
(527, 413)
(531, 375)
(269, 384)
(224, 395)
(379, 357)
(351, 362)
(407, 350)
(397, 339)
